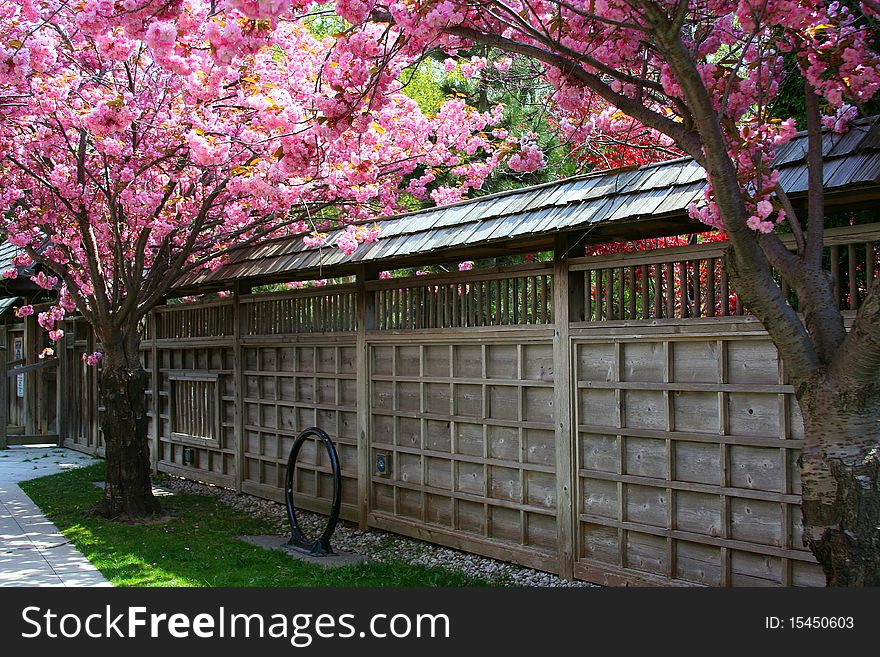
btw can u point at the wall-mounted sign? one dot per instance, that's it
(18, 348)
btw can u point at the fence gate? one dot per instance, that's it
(29, 387)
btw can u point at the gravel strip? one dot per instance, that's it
(376, 544)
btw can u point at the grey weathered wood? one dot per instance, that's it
(155, 380)
(565, 495)
(61, 390)
(4, 388)
(240, 326)
(366, 320)
(30, 382)
(23, 369)
(680, 442)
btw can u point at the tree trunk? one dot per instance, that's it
(840, 475)
(128, 489)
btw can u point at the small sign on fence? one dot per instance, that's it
(19, 354)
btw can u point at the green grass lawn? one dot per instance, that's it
(198, 545)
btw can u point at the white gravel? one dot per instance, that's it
(376, 544)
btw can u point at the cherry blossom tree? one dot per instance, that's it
(143, 140)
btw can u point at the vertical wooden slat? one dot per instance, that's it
(670, 290)
(725, 293)
(869, 265)
(683, 288)
(658, 290)
(710, 288)
(533, 282)
(609, 294)
(631, 290)
(545, 304)
(853, 280)
(835, 273)
(698, 291)
(588, 293)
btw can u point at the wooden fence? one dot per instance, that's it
(619, 419)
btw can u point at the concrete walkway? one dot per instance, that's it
(32, 550)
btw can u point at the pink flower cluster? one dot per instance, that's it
(351, 236)
(840, 121)
(528, 157)
(45, 282)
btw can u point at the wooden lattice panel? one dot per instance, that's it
(686, 458)
(467, 433)
(207, 457)
(287, 389)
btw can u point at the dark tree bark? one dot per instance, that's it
(840, 478)
(128, 489)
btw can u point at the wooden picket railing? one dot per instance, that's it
(690, 281)
(309, 310)
(501, 297)
(194, 320)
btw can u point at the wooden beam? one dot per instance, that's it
(366, 321)
(34, 439)
(23, 369)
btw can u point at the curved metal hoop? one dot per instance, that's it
(321, 545)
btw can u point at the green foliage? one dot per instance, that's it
(525, 97)
(425, 84)
(197, 545)
(325, 24)
(789, 101)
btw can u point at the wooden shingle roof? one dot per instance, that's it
(624, 203)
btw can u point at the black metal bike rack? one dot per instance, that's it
(320, 546)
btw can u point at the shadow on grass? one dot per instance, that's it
(197, 546)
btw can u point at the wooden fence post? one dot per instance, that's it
(238, 374)
(4, 389)
(155, 380)
(30, 379)
(568, 306)
(60, 370)
(366, 320)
